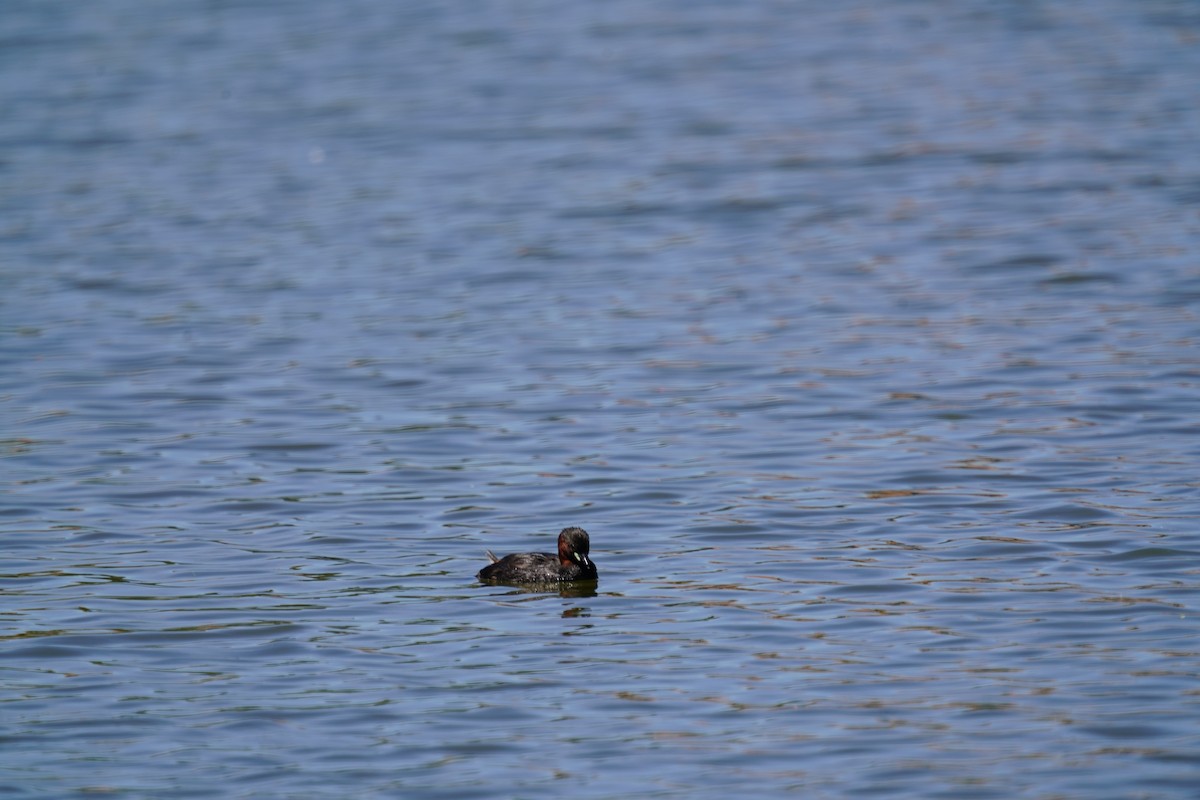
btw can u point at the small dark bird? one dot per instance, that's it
(571, 563)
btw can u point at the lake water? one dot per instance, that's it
(864, 339)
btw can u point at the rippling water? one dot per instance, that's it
(862, 338)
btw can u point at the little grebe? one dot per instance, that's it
(571, 563)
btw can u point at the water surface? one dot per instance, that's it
(861, 337)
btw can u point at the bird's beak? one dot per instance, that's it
(582, 559)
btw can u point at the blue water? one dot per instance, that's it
(861, 337)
